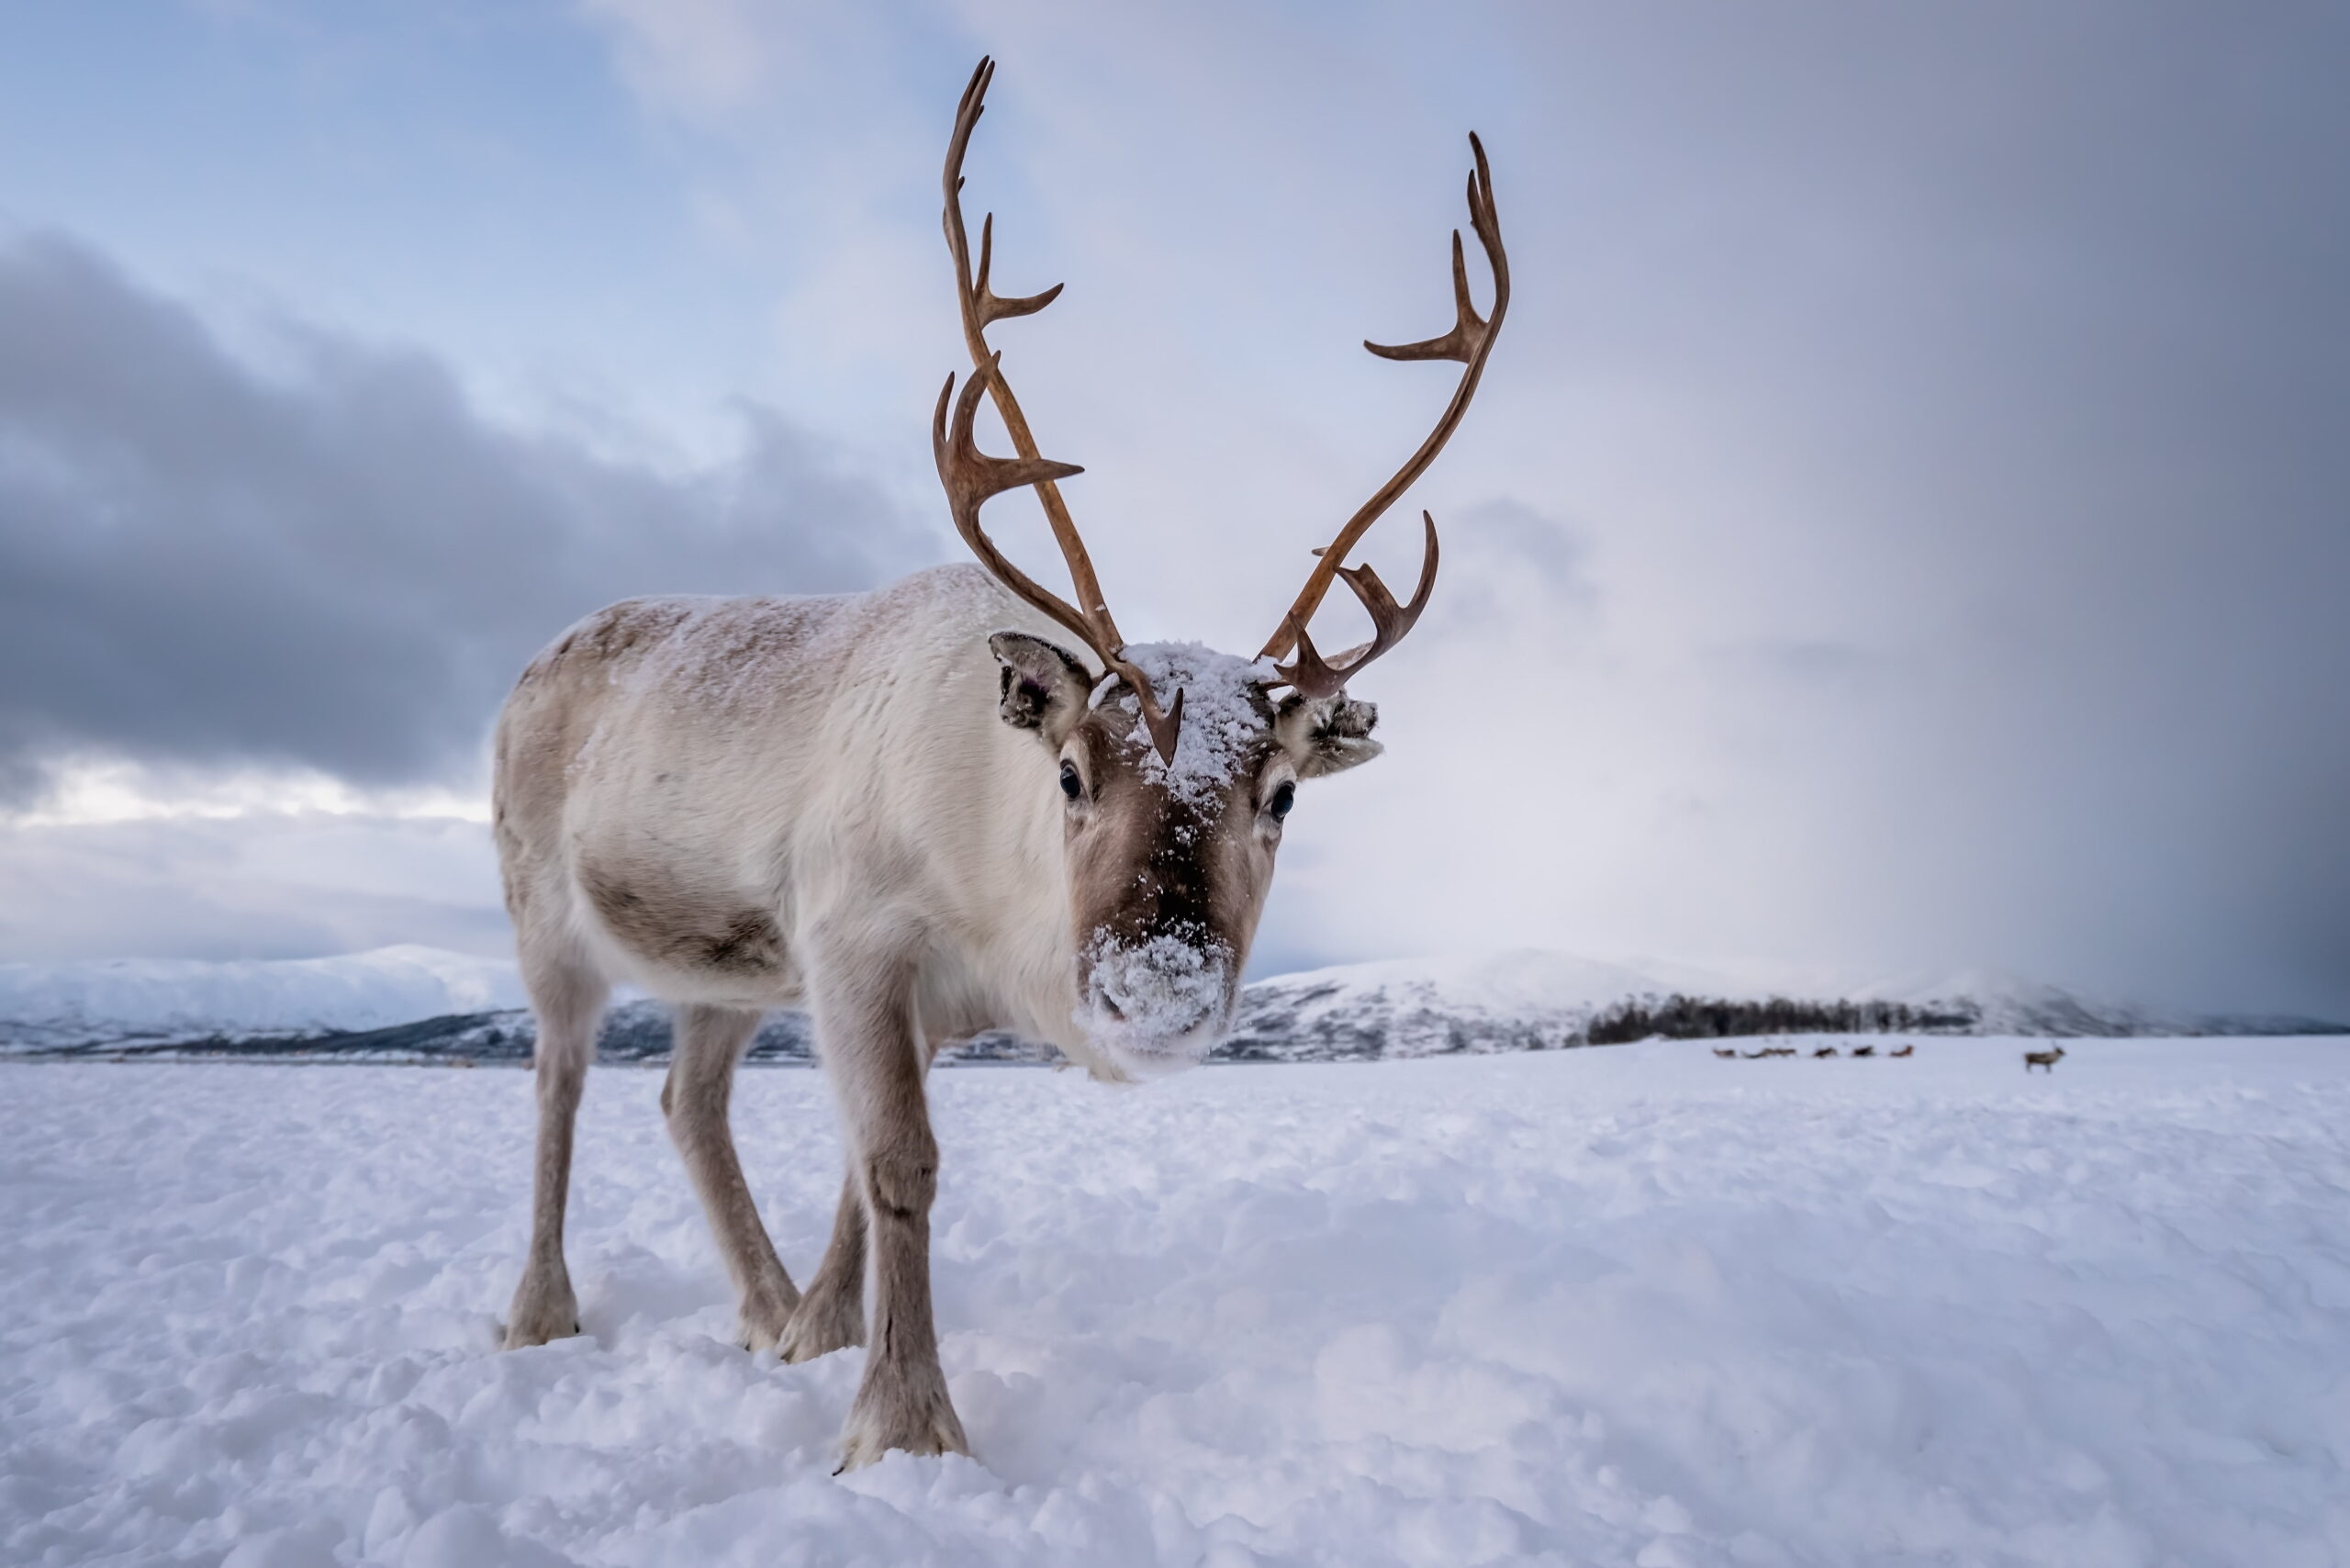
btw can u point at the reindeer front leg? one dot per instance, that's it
(832, 1314)
(872, 1053)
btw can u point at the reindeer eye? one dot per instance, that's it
(1283, 799)
(1069, 785)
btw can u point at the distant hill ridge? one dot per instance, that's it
(424, 1004)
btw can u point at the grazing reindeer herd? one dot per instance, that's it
(920, 813)
(2045, 1061)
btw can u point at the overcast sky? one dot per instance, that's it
(1905, 527)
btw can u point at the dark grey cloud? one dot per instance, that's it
(335, 562)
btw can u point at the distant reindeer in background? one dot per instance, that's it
(1725, 1052)
(1864, 1051)
(2045, 1061)
(1823, 1051)
(919, 814)
(1904, 1051)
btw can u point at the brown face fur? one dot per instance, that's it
(1165, 888)
(1168, 877)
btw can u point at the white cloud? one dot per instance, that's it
(705, 60)
(699, 57)
(89, 792)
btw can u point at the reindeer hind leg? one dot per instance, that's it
(832, 1314)
(710, 1042)
(568, 996)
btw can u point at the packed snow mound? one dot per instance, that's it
(122, 1000)
(1627, 1306)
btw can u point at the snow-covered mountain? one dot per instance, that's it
(419, 1003)
(126, 1001)
(1524, 1000)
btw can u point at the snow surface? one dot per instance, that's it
(1632, 1305)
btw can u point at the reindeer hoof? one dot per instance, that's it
(827, 1321)
(901, 1409)
(541, 1313)
(765, 1318)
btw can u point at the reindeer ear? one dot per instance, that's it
(1326, 736)
(1044, 687)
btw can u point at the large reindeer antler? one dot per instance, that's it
(1470, 343)
(972, 476)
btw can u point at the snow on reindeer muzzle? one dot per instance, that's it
(1157, 1005)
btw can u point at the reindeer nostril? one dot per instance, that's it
(1110, 1005)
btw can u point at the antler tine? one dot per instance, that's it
(1313, 677)
(1470, 343)
(972, 476)
(993, 307)
(1469, 330)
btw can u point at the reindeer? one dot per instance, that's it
(920, 813)
(1726, 1053)
(1823, 1052)
(1864, 1051)
(1908, 1050)
(2045, 1061)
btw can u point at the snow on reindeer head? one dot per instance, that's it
(1177, 765)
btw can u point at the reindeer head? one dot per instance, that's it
(1173, 804)
(1168, 857)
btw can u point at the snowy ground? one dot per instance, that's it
(1630, 1306)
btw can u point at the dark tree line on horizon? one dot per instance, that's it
(1704, 1018)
